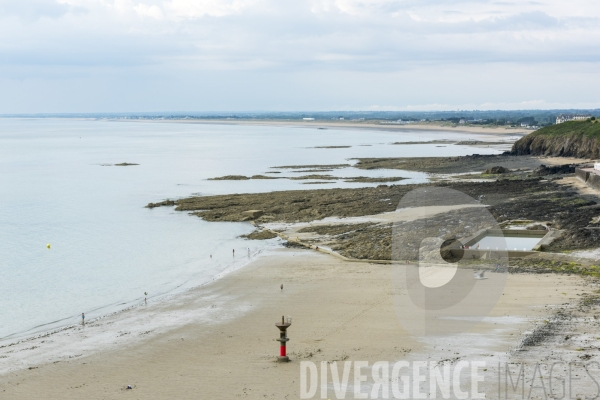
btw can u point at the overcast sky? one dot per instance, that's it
(246, 55)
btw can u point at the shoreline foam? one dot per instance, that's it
(34, 333)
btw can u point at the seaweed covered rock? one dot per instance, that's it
(544, 170)
(496, 170)
(260, 235)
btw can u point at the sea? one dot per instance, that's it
(75, 235)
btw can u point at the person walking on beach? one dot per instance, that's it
(233, 251)
(82, 318)
(145, 297)
(282, 287)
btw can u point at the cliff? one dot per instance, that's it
(570, 139)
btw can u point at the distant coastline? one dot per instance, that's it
(371, 125)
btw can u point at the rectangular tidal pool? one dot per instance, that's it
(507, 242)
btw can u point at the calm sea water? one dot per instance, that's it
(106, 248)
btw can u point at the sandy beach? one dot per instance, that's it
(218, 341)
(422, 126)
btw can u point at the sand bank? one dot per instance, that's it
(218, 341)
(301, 230)
(430, 126)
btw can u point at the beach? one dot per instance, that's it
(215, 335)
(341, 199)
(370, 125)
(223, 343)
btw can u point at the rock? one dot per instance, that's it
(335, 229)
(167, 203)
(537, 227)
(313, 166)
(230, 178)
(365, 179)
(579, 139)
(544, 170)
(253, 214)
(263, 177)
(531, 199)
(314, 176)
(448, 165)
(496, 170)
(242, 177)
(332, 147)
(260, 235)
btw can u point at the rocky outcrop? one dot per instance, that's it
(253, 214)
(496, 170)
(449, 165)
(241, 177)
(531, 199)
(544, 170)
(575, 145)
(165, 203)
(569, 139)
(260, 235)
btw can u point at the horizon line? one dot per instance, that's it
(263, 112)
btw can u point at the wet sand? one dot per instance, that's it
(218, 341)
(432, 126)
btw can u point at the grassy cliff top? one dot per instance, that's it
(587, 128)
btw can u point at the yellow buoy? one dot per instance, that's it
(48, 246)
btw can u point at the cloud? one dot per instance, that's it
(33, 9)
(358, 39)
(149, 11)
(192, 9)
(360, 35)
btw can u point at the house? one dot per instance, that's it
(597, 166)
(576, 117)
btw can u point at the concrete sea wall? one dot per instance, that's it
(590, 178)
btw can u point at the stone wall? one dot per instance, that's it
(590, 178)
(594, 181)
(581, 174)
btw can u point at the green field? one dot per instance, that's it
(590, 128)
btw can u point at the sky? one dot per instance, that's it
(59, 56)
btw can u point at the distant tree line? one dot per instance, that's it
(495, 117)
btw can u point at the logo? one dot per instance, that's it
(449, 261)
(385, 380)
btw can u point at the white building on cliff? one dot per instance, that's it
(565, 117)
